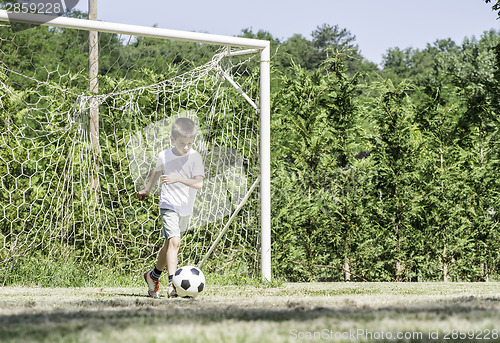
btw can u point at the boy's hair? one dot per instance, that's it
(183, 127)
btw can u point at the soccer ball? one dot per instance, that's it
(188, 281)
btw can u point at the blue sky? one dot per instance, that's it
(377, 24)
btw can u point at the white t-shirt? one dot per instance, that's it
(178, 196)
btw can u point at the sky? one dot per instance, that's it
(377, 24)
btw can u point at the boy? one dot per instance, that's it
(182, 173)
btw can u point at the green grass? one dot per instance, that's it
(48, 302)
(259, 312)
(46, 272)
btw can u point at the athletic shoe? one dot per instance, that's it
(153, 286)
(171, 291)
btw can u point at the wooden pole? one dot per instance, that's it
(94, 88)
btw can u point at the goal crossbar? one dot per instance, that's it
(126, 29)
(251, 45)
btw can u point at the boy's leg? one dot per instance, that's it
(173, 226)
(167, 256)
(171, 257)
(161, 261)
(152, 277)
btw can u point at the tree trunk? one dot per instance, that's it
(445, 265)
(347, 270)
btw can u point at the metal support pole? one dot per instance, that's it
(229, 222)
(265, 162)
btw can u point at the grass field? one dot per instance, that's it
(298, 312)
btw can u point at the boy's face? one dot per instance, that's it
(182, 145)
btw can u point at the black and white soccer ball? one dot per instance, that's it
(188, 281)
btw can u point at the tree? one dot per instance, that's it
(394, 196)
(315, 127)
(414, 64)
(495, 7)
(455, 116)
(296, 50)
(326, 41)
(441, 210)
(475, 73)
(332, 38)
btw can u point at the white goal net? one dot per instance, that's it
(65, 199)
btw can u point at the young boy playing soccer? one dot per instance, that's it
(181, 171)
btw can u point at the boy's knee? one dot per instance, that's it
(174, 242)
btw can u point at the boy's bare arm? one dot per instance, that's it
(196, 182)
(141, 195)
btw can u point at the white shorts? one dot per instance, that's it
(174, 225)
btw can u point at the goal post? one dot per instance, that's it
(265, 113)
(235, 46)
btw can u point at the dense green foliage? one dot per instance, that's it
(383, 174)
(390, 174)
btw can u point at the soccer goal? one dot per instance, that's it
(80, 135)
